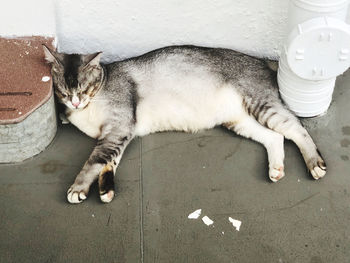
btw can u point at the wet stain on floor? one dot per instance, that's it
(346, 130)
(345, 143)
(344, 157)
(50, 166)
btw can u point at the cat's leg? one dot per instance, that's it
(106, 176)
(80, 188)
(273, 142)
(101, 164)
(276, 117)
(63, 118)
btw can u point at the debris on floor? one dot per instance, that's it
(195, 214)
(207, 221)
(235, 223)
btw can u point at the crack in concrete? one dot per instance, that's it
(297, 203)
(141, 205)
(229, 155)
(270, 210)
(34, 183)
(109, 218)
(174, 143)
(180, 142)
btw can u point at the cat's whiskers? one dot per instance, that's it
(103, 100)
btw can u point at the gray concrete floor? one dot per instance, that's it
(162, 179)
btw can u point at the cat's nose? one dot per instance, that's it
(75, 104)
(75, 101)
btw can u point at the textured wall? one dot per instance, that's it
(126, 28)
(27, 18)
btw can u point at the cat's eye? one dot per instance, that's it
(82, 88)
(61, 94)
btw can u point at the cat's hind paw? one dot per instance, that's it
(76, 194)
(318, 171)
(317, 167)
(276, 173)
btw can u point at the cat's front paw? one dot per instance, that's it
(107, 197)
(77, 193)
(106, 183)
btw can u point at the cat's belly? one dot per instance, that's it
(190, 113)
(89, 120)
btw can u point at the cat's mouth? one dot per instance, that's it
(77, 104)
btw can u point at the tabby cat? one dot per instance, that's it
(182, 88)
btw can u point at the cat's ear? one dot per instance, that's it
(92, 61)
(51, 56)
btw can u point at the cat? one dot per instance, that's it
(180, 88)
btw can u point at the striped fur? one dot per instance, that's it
(184, 88)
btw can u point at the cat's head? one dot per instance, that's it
(76, 78)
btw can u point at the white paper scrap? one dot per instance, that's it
(45, 79)
(235, 223)
(207, 221)
(195, 214)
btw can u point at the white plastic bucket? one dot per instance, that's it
(299, 84)
(306, 98)
(307, 108)
(303, 10)
(306, 79)
(318, 48)
(304, 95)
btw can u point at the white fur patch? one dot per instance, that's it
(166, 110)
(90, 119)
(183, 98)
(75, 99)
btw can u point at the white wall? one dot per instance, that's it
(27, 17)
(124, 28)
